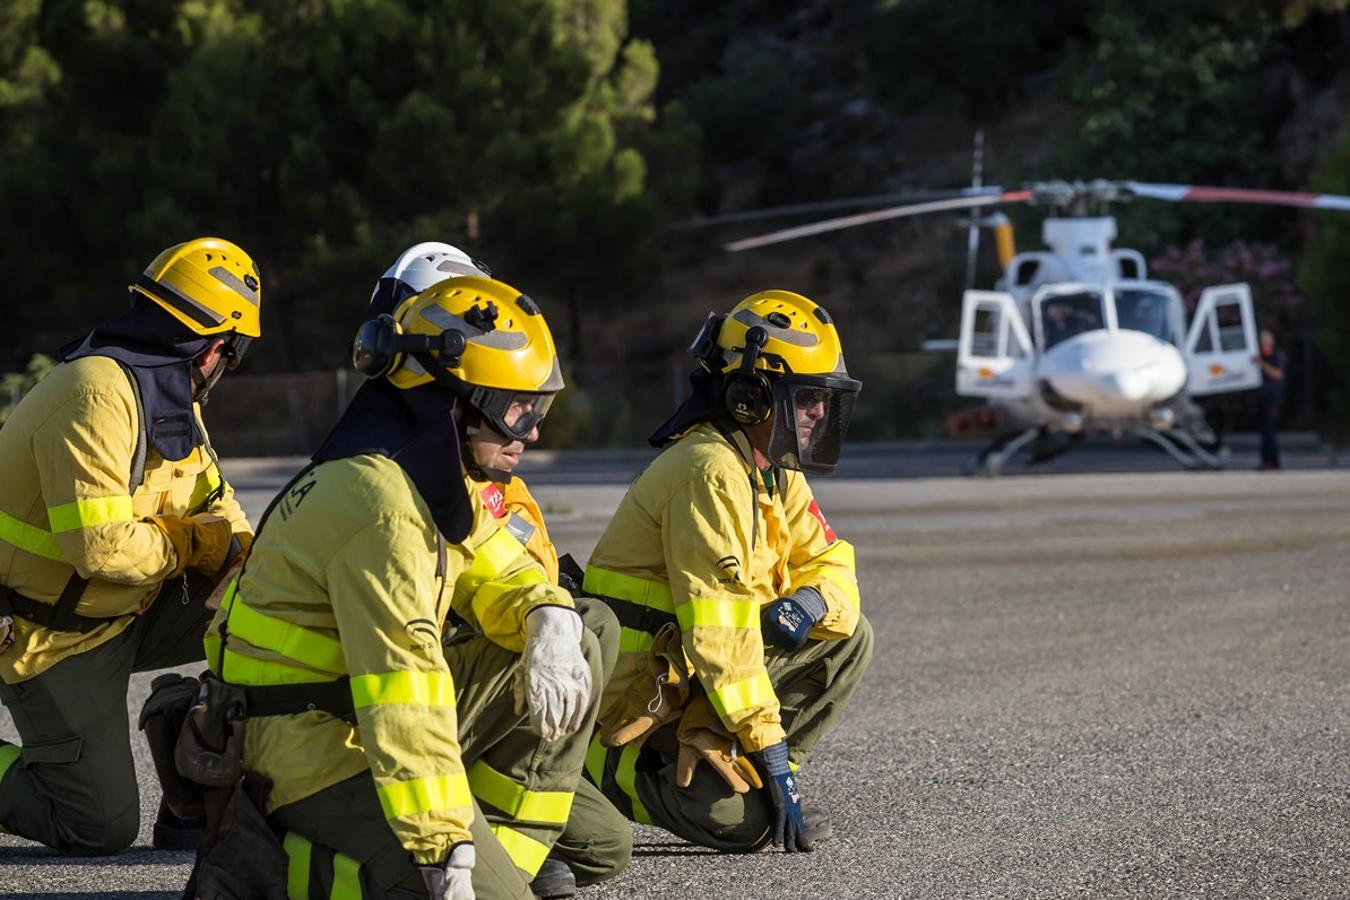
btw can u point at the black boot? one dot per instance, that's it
(554, 880)
(173, 833)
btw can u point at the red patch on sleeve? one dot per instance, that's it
(494, 501)
(814, 509)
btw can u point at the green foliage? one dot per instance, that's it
(752, 103)
(975, 54)
(324, 136)
(14, 385)
(1324, 273)
(1167, 92)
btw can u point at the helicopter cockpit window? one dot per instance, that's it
(1068, 315)
(1139, 309)
(984, 336)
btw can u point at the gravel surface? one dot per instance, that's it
(1085, 686)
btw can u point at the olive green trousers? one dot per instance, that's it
(813, 685)
(339, 844)
(72, 785)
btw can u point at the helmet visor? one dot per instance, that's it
(811, 418)
(515, 414)
(236, 345)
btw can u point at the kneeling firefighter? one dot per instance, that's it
(742, 634)
(597, 842)
(384, 646)
(115, 522)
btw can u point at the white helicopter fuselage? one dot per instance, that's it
(1079, 337)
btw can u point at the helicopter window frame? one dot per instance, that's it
(1174, 316)
(1106, 311)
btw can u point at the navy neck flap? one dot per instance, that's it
(704, 404)
(158, 351)
(416, 429)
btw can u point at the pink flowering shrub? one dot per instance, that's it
(1270, 273)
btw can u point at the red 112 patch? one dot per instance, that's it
(814, 509)
(494, 501)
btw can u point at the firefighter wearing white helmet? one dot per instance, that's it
(598, 844)
(418, 268)
(390, 636)
(743, 638)
(115, 521)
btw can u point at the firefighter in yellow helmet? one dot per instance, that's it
(391, 637)
(114, 520)
(597, 842)
(742, 635)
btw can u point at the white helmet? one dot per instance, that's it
(418, 268)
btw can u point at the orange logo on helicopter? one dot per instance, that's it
(985, 373)
(1215, 370)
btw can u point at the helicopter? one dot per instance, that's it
(1078, 337)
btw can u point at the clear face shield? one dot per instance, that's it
(811, 418)
(513, 413)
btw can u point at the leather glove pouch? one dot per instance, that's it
(210, 746)
(657, 699)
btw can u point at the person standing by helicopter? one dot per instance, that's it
(1271, 362)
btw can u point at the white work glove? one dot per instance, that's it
(452, 880)
(554, 682)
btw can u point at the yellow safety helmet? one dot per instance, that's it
(482, 338)
(779, 352)
(211, 286)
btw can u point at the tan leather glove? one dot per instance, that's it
(703, 738)
(199, 542)
(652, 702)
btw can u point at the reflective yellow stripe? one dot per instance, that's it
(29, 538)
(298, 850)
(206, 484)
(710, 613)
(732, 698)
(625, 776)
(346, 878)
(241, 669)
(496, 789)
(527, 853)
(8, 754)
(642, 591)
(419, 688)
(493, 555)
(595, 759)
(94, 511)
(633, 641)
(404, 798)
(488, 593)
(284, 638)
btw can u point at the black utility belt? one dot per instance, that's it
(638, 617)
(55, 616)
(332, 697)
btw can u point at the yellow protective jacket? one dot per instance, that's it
(350, 578)
(700, 539)
(526, 522)
(67, 505)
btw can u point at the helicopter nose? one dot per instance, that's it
(1115, 373)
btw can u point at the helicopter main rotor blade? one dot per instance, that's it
(1199, 194)
(986, 197)
(816, 206)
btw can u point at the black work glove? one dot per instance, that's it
(787, 621)
(789, 823)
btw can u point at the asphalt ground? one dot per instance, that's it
(1111, 685)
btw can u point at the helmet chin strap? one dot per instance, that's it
(468, 424)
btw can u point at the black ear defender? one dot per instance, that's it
(747, 393)
(380, 344)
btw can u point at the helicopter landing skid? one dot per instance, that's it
(1181, 447)
(989, 461)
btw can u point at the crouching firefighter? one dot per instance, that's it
(742, 637)
(115, 522)
(597, 843)
(388, 643)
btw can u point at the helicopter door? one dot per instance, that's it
(1222, 342)
(994, 354)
